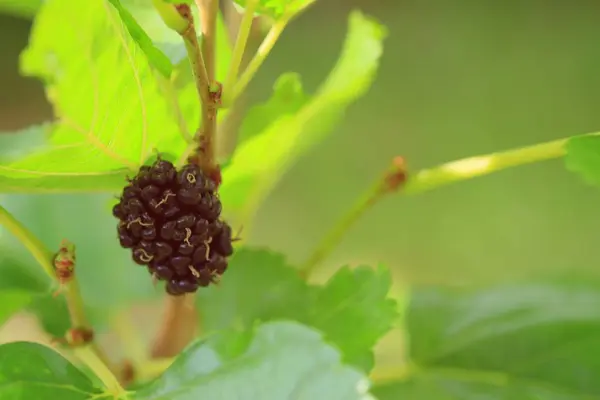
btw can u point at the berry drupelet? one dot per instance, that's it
(170, 221)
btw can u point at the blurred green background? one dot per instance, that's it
(456, 79)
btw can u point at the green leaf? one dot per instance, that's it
(262, 286)
(17, 149)
(517, 341)
(583, 158)
(33, 371)
(258, 286)
(110, 111)
(164, 38)
(277, 8)
(354, 311)
(258, 163)
(287, 99)
(284, 360)
(156, 57)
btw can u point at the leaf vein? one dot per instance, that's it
(137, 79)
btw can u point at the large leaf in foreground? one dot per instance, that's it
(522, 341)
(110, 113)
(257, 164)
(352, 309)
(33, 371)
(283, 360)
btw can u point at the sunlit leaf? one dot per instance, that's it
(110, 112)
(157, 58)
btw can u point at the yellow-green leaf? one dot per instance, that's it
(110, 112)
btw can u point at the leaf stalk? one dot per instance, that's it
(238, 52)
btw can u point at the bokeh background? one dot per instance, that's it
(456, 79)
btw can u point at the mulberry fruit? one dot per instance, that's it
(170, 219)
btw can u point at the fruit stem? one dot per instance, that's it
(432, 178)
(238, 52)
(37, 249)
(75, 305)
(262, 53)
(177, 328)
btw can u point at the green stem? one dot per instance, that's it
(75, 305)
(433, 178)
(238, 52)
(334, 236)
(261, 55)
(41, 254)
(472, 167)
(90, 358)
(265, 49)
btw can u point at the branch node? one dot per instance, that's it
(396, 177)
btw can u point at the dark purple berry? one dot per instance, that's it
(163, 272)
(162, 250)
(150, 192)
(167, 230)
(170, 221)
(181, 263)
